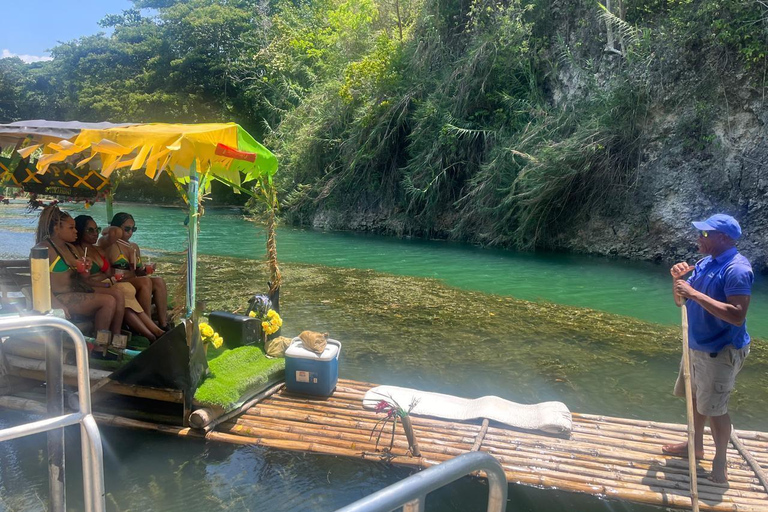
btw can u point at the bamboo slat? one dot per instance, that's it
(614, 458)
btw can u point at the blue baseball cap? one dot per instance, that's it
(720, 222)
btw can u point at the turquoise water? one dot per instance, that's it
(636, 289)
(592, 365)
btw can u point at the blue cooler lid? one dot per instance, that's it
(298, 351)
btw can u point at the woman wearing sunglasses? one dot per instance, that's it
(101, 277)
(70, 293)
(125, 258)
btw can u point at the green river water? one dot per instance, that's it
(599, 335)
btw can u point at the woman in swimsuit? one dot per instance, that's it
(56, 230)
(126, 255)
(102, 280)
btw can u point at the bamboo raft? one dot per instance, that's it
(612, 458)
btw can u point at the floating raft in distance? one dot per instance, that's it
(614, 458)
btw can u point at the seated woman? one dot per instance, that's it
(125, 257)
(56, 230)
(102, 280)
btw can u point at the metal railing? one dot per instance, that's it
(90, 438)
(411, 492)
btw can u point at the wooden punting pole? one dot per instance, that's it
(689, 414)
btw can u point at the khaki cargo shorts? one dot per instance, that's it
(712, 378)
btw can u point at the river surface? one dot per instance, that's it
(597, 334)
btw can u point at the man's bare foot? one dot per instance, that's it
(719, 473)
(681, 450)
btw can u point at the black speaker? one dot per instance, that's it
(237, 330)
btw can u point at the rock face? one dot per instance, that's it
(676, 185)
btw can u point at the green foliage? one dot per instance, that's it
(710, 25)
(494, 121)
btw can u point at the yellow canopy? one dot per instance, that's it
(224, 149)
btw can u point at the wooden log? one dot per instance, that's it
(204, 415)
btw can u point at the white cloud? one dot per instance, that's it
(26, 58)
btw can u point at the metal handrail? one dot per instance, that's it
(411, 492)
(90, 438)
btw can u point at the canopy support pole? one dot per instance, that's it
(108, 199)
(192, 193)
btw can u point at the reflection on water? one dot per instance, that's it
(410, 331)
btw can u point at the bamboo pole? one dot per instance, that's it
(689, 413)
(481, 436)
(750, 459)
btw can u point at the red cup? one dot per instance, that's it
(119, 275)
(150, 268)
(81, 266)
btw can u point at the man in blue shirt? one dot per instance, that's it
(717, 296)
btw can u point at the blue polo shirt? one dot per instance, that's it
(728, 274)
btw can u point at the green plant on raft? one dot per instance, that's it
(235, 372)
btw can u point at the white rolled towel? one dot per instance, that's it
(550, 417)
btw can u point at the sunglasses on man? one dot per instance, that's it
(128, 229)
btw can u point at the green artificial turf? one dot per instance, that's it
(236, 372)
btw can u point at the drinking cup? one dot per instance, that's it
(81, 266)
(119, 274)
(150, 268)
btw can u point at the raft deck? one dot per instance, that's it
(613, 458)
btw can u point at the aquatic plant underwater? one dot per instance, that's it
(420, 333)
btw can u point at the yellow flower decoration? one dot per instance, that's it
(208, 335)
(206, 331)
(271, 323)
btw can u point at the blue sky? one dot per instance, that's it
(30, 27)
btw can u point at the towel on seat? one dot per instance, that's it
(550, 417)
